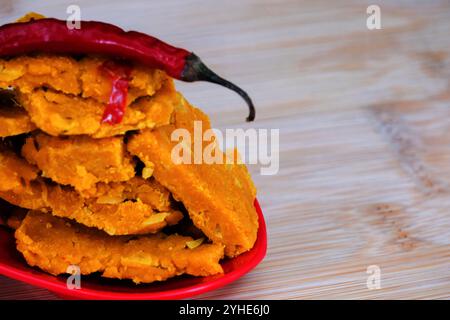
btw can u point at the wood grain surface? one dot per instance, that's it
(364, 119)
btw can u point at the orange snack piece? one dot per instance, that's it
(14, 121)
(96, 84)
(53, 244)
(59, 114)
(81, 161)
(219, 197)
(15, 173)
(64, 96)
(134, 211)
(66, 75)
(149, 191)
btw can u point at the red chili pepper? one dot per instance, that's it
(120, 76)
(53, 36)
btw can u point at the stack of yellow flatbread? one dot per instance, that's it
(109, 198)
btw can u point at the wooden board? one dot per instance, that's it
(365, 134)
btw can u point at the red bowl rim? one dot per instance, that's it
(258, 251)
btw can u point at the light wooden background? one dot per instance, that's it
(365, 134)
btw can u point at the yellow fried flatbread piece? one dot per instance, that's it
(53, 244)
(219, 197)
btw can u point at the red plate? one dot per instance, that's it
(13, 265)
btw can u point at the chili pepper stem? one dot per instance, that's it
(196, 70)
